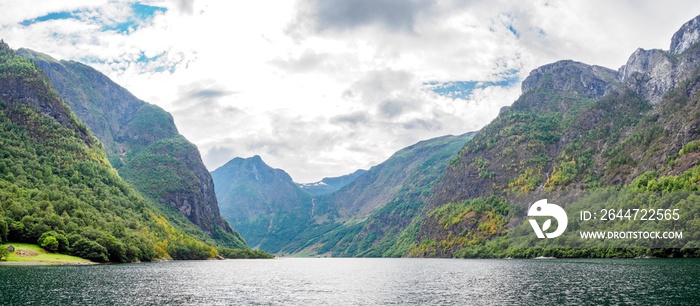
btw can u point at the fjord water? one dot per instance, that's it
(358, 281)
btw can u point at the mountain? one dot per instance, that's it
(373, 189)
(330, 184)
(263, 203)
(276, 215)
(58, 189)
(576, 130)
(142, 143)
(366, 217)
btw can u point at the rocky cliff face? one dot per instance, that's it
(653, 73)
(577, 78)
(650, 73)
(104, 106)
(687, 36)
(141, 141)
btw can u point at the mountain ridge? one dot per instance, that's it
(576, 128)
(142, 143)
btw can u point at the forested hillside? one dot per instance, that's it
(576, 133)
(58, 189)
(143, 144)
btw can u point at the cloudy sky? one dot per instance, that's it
(323, 87)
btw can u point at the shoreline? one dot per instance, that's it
(45, 263)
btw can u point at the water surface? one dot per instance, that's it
(358, 281)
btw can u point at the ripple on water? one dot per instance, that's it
(358, 281)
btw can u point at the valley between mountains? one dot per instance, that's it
(90, 170)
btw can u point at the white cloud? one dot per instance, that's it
(321, 88)
(15, 12)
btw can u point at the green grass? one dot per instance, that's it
(41, 254)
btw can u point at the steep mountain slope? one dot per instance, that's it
(377, 232)
(362, 217)
(575, 129)
(381, 183)
(142, 143)
(263, 203)
(330, 184)
(58, 189)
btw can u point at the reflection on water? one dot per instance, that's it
(296, 281)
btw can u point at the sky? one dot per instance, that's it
(321, 88)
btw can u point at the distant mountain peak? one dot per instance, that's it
(253, 162)
(256, 198)
(255, 166)
(687, 36)
(566, 75)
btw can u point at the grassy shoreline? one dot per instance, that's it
(32, 254)
(44, 263)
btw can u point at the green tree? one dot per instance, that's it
(63, 245)
(61, 240)
(16, 231)
(50, 244)
(3, 253)
(90, 250)
(4, 230)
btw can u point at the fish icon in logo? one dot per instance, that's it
(543, 209)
